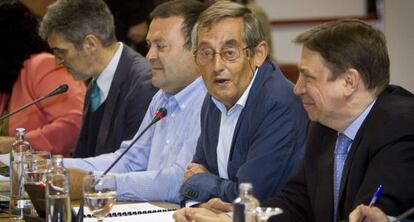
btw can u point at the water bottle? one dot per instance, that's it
(245, 204)
(19, 200)
(58, 192)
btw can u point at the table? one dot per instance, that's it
(4, 188)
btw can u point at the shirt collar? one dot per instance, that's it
(353, 128)
(242, 100)
(183, 97)
(104, 80)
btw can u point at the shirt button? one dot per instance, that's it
(167, 142)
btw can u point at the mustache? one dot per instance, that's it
(155, 64)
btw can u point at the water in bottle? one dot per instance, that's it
(58, 192)
(19, 200)
(245, 204)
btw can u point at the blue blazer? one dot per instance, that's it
(267, 143)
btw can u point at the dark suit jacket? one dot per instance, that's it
(381, 153)
(267, 143)
(127, 102)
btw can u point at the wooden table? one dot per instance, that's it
(4, 187)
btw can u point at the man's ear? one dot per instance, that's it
(91, 43)
(351, 80)
(261, 51)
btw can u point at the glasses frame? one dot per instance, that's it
(240, 50)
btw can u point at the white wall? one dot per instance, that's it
(282, 35)
(398, 27)
(292, 9)
(399, 31)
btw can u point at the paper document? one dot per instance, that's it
(143, 212)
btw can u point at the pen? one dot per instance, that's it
(376, 195)
(374, 198)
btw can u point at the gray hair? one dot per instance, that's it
(252, 33)
(75, 19)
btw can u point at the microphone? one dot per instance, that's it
(404, 215)
(60, 89)
(159, 115)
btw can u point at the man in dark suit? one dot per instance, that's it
(81, 34)
(344, 86)
(252, 125)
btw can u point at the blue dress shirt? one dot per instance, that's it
(154, 167)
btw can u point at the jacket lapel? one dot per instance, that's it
(324, 177)
(260, 77)
(214, 136)
(111, 101)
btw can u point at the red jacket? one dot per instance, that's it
(54, 123)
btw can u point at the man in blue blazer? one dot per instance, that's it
(252, 125)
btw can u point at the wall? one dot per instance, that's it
(397, 26)
(399, 30)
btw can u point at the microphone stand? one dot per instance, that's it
(161, 113)
(60, 89)
(404, 215)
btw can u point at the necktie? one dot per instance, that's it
(340, 154)
(95, 96)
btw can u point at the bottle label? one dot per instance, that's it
(22, 203)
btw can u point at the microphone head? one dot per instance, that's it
(162, 112)
(63, 87)
(60, 89)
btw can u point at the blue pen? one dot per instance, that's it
(374, 198)
(377, 194)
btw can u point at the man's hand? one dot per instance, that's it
(194, 168)
(217, 206)
(367, 214)
(5, 144)
(199, 215)
(76, 179)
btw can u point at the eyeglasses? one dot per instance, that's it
(206, 55)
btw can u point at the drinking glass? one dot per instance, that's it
(37, 163)
(264, 213)
(36, 166)
(99, 193)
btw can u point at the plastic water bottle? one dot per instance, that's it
(245, 204)
(19, 200)
(58, 192)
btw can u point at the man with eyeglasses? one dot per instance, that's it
(81, 34)
(252, 125)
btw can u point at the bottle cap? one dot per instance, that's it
(245, 186)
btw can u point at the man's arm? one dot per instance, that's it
(160, 184)
(274, 148)
(392, 166)
(294, 199)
